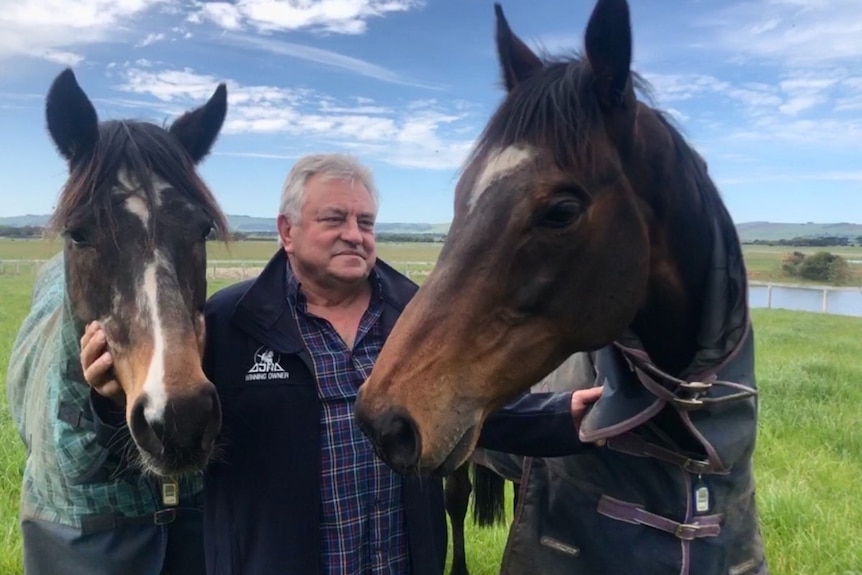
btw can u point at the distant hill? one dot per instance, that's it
(772, 231)
(748, 231)
(250, 225)
(39, 221)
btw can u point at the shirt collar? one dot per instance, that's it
(298, 301)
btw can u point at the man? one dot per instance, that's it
(297, 487)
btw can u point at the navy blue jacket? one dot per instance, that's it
(261, 511)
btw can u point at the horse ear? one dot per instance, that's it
(516, 59)
(72, 120)
(198, 129)
(609, 50)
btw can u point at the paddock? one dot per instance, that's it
(808, 458)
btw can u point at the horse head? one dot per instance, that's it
(135, 217)
(578, 216)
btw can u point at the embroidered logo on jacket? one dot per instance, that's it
(267, 365)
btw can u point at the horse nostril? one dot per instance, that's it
(158, 428)
(148, 438)
(192, 421)
(398, 440)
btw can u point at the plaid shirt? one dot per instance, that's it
(362, 527)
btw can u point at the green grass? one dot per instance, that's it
(244, 250)
(808, 461)
(809, 456)
(15, 298)
(763, 262)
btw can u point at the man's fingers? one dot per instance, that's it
(91, 329)
(111, 389)
(592, 394)
(98, 368)
(94, 347)
(583, 397)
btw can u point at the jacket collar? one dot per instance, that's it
(264, 313)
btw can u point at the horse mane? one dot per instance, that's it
(558, 110)
(143, 150)
(694, 167)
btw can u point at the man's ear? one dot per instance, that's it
(285, 229)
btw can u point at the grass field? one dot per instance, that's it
(764, 262)
(808, 461)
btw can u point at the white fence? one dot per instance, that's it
(800, 297)
(216, 269)
(19, 267)
(245, 269)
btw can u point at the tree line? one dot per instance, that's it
(810, 241)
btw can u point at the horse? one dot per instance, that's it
(100, 494)
(584, 222)
(487, 488)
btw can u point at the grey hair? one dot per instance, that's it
(329, 166)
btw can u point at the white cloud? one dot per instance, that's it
(679, 87)
(824, 176)
(817, 132)
(50, 29)
(321, 56)
(423, 133)
(222, 14)
(150, 39)
(790, 32)
(336, 16)
(778, 71)
(62, 57)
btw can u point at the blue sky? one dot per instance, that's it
(769, 91)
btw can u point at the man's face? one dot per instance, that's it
(333, 243)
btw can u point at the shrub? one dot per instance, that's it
(824, 266)
(790, 263)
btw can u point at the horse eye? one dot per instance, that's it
(560, 213)
(78, 237)
(207, 230)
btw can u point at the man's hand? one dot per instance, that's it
(97, 363)
(581, 399)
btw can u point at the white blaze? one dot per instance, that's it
(498, 165)
(154, 384)
(138, 207)
(148, 297)
(127, 184)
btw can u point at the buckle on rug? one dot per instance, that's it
(695, 387)
(687, 531)
(164, 516)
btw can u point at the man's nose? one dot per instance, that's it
(351, 232)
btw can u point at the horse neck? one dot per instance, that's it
(681, 251)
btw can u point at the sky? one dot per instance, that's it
(768, 91)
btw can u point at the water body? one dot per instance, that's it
(839, 301)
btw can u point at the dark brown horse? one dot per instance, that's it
(135, 217)
(583, 221)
